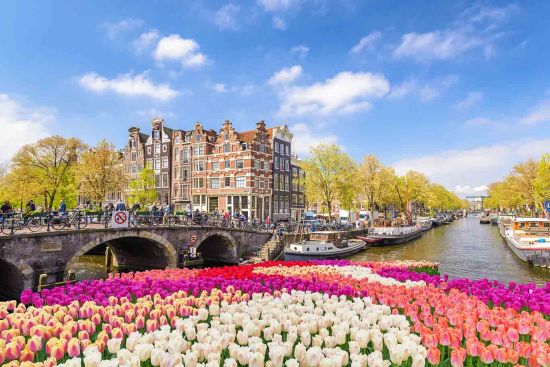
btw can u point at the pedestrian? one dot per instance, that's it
(267, 222)
(166, 216)
(136, 207)
(120, 206)
(62, 206)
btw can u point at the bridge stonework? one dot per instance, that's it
(23, 257)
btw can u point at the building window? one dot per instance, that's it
(165, 162)
(157, 148)
(227, 182)
(276, 147)
(157, 164)
(185, 155)
(199, 166)
(156, 134)
(198, 138)
(215, 166)
(133, 156)
(287, 165)
(227, 164)
(287, 149)
(215, 183)
(149, 164)
(177, 139)
(257, 164)
(198, 182)
(226, 136)
(164, 148)
(240, 181)
(148, 150)
(184, 189)
(276, 163)
(188, 137)
(256, 182)
(275, 204)
(185, 173)
(266, 166)
(132, 142)
(157, 181)
(165, 180)
(226, 148)
(276, 181)
(177, 155)
(239, 164)
(262, 148)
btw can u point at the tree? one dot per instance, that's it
(142, 189)
(541, 184)
(327, 172)
(372, 174)
(99, 171)
(45, 168)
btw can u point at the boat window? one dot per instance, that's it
(317, 249)
(307, 248)
(533, 224)
(330, 248)
(547, 224)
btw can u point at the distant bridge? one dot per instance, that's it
(25, 256)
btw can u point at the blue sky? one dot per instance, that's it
(459, 90)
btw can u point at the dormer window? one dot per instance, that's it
(198, 138)
(156, 134)
(244, 146)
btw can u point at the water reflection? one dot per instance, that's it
(464, 248)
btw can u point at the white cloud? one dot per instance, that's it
(176, 48)
(472, 99)
(541, 113)
(20, 125)
(279, 23)
(221, 88)
(474, 167)
(367, 43)
(226, 16)
(467, 190)
(146, 40)
(113, 29)
(130, 85)
(300, 50)
(154, 112)
(305, 138)
(346, 92)
(426, 91)
(277, 5)
(475, 30)
(286, 75)
(437, 45)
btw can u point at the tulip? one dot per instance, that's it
(458, 356)
(73, 347)
(113, 345)
(434, 356)
(486, 356)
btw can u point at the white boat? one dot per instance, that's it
(383, 236)
(324, 245)
(529, 239)
(425, 223)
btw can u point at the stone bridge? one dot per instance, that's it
(24, 257)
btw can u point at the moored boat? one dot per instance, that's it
(425, 223)
(385, 236)
(529, 239)
(324, 245)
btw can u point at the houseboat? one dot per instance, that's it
(424, 223)
(324, 245)
(385, 236)
(529, 239)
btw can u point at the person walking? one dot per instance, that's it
(120, 206)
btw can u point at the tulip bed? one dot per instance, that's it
(324, 313)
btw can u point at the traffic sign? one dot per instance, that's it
(119, 219)
(547, 205)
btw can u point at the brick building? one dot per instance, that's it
(250, 172)
(298, 197)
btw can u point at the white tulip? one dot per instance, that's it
(256, 360)
(143, 351)
(73, 362)
(92, 359)
(230, 362)
(123, 356)
(113, 345)
(300, 352)
(317, 341)
(190, 359)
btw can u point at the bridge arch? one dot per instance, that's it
(219, 246)
(156, 250)
(14, 278)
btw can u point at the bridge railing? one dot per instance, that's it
(15, 222)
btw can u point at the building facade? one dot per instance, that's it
(298, 196)
(249, 172)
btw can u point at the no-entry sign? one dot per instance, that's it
(119, 219)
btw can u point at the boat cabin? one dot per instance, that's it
(531, 226)
(335, 237)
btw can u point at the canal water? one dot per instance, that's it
(464, 249)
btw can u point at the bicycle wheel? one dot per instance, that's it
(80, 221)
(5, 228)
(34, 225)
(58, 223)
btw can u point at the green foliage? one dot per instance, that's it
(142, 189)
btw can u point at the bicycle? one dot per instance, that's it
(67, 221)
(10, 223)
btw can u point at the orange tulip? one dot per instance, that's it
(512, 356)
(512, 334)
(26, 355)
(486, 356)
(501, 356)
(434, 355)
(458, 356)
